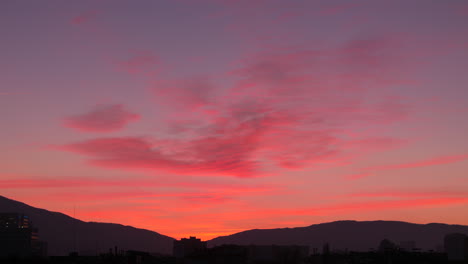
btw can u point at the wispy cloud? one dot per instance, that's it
(84, 17)
(337, 9)
(103, 118)
(140, 62)
(384, 205)
(409, 194)
(374, 170)
(422, 163)
(41, 182)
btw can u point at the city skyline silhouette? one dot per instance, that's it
(93, 239)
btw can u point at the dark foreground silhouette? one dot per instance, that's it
(348, 235)
(231, 254)
(65, 234)
(336, 242)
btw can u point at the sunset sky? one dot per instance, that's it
(210, 117)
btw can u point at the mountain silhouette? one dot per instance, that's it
(350, 235)
(60, 230)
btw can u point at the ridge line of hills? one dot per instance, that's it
(59, 229)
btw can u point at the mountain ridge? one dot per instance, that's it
(97, 237)
(59, 229)
(347, 235)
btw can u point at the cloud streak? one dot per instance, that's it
(84, 17)
(442, 160)
(103, 118)
(23, 182)
(141, 62)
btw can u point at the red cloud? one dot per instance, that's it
(285, 108)
(103, 118)
(203, 156)
(141, 194)
(23, 182)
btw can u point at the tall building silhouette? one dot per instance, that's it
(18, 237)
(456, 246)
(12, 221)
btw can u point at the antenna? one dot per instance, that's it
(74, 228)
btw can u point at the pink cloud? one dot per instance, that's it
(378, 143)
(207, 198)
(385, 205)
(357, 176)
(189, 94)
(24, 182)
(139, 63)
(103, 118)
(341, 208)
(369, 171)
(142, 194)
(423, 163)
(409, 194)
(289, 15)
(208, 156)
(284, 108)
(337, 9)
(84, 17)
(357, 207)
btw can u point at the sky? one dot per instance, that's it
(210, 117)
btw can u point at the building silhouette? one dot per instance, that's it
(407, 245)
(188, 246)
(280, 254)
(248, 254)
(18, 237)
(387, 246)
(13, 220)
(456, 246)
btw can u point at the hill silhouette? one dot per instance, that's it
(91, 237)
(351, 235)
